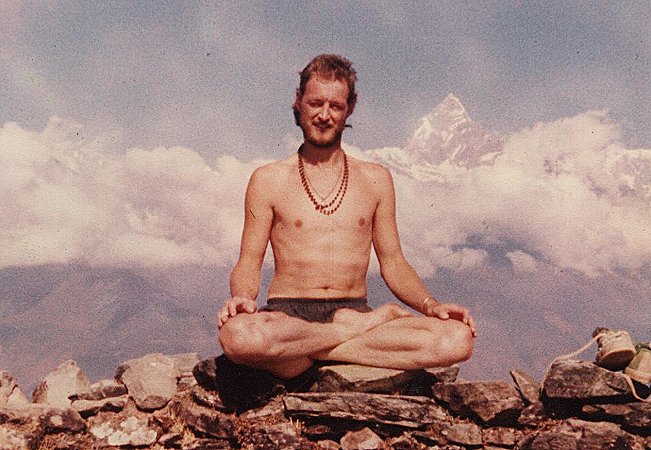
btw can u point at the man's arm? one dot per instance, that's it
(245, 277)
(398, 274)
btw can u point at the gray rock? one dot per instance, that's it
(186, 362)
(529, 388)
(578, 434)
(493, 402)
(502, 436)
(59, 385)
(356, 378)
(363, 439)
(10, 392)
(199, 418)
(534, 415)
(206, 398)
(101, 390)
(280, 435)
(569, 384)
(56, 420)
(635, 417)
(13, 439)
(327, 444)
(87, 408)
(124, 429)
(404, 411)
(150, 380)
(456, 433)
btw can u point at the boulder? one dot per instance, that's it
(59, 385)
(492, 402)
(569, 384)
(150, 380)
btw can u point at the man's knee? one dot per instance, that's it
(459, 341)
(242, 337)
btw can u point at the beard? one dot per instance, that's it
(322, 136)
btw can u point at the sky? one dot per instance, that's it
(128, 129)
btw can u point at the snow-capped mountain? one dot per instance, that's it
(446, 138)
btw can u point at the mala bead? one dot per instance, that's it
(334, 204)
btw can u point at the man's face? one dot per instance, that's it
(323, 110)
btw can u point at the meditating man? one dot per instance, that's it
(322, 210)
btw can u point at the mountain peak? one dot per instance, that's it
(447, 133)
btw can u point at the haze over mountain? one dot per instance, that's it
(543, 233)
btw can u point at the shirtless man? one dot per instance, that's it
(322, 211)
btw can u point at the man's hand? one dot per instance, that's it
(445, 311)
(233, 307)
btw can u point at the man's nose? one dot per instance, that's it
(324, 113)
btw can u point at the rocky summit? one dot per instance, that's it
(183, 402)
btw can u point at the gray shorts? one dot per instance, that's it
(315, 310)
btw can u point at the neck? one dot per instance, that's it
(316, 155)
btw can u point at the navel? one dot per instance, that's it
(298, 223)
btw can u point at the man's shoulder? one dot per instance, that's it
(371, 169)
(274, 169)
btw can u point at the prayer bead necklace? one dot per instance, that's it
(334, 204)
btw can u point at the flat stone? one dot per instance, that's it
(356, 378)
(363, 439)
(635, 417)
(87, 408)
(493, 402)
(101, 390)
(275, 408)
(404, 411)
(150, 380)
(59, 385)
(570, 384)
(529, 388)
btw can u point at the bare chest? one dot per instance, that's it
(296, 216)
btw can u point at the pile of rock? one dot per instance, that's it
(157, 402)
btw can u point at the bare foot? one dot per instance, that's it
(360, 322)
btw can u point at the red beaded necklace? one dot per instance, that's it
(330, 207)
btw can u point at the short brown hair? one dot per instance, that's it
(332, 67)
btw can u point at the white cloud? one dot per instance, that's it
(65, 200)
(565, 193)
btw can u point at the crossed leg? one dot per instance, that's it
(388, 336)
